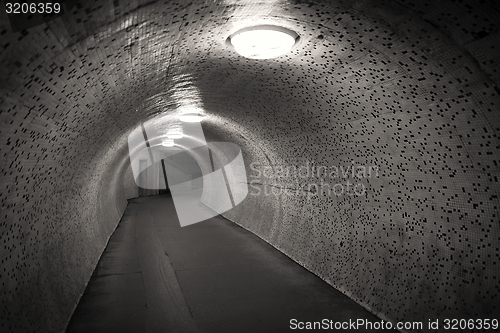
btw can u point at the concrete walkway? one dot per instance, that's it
(213, 276)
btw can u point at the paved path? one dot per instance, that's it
(213, 276)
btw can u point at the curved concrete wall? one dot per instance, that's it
(411, 89)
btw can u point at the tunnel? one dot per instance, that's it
(369, 148)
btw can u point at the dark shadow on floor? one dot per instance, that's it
(213, 276)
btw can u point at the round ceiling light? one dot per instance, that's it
(191, 117)
(174, 135)
(167, 143)
(263, 41)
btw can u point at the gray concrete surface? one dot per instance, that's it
(213, 276)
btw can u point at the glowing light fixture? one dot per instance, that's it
(263, 41)
(175, 135)
(191, 117)
(189, 109)
(167, 143)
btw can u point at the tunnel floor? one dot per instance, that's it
(213, 276)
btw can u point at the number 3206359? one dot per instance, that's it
(33, 8)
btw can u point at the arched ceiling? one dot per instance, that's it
(122, 61)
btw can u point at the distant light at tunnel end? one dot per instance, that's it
(174, 135)
(191, 117)
(168, 143)
(263, 41)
